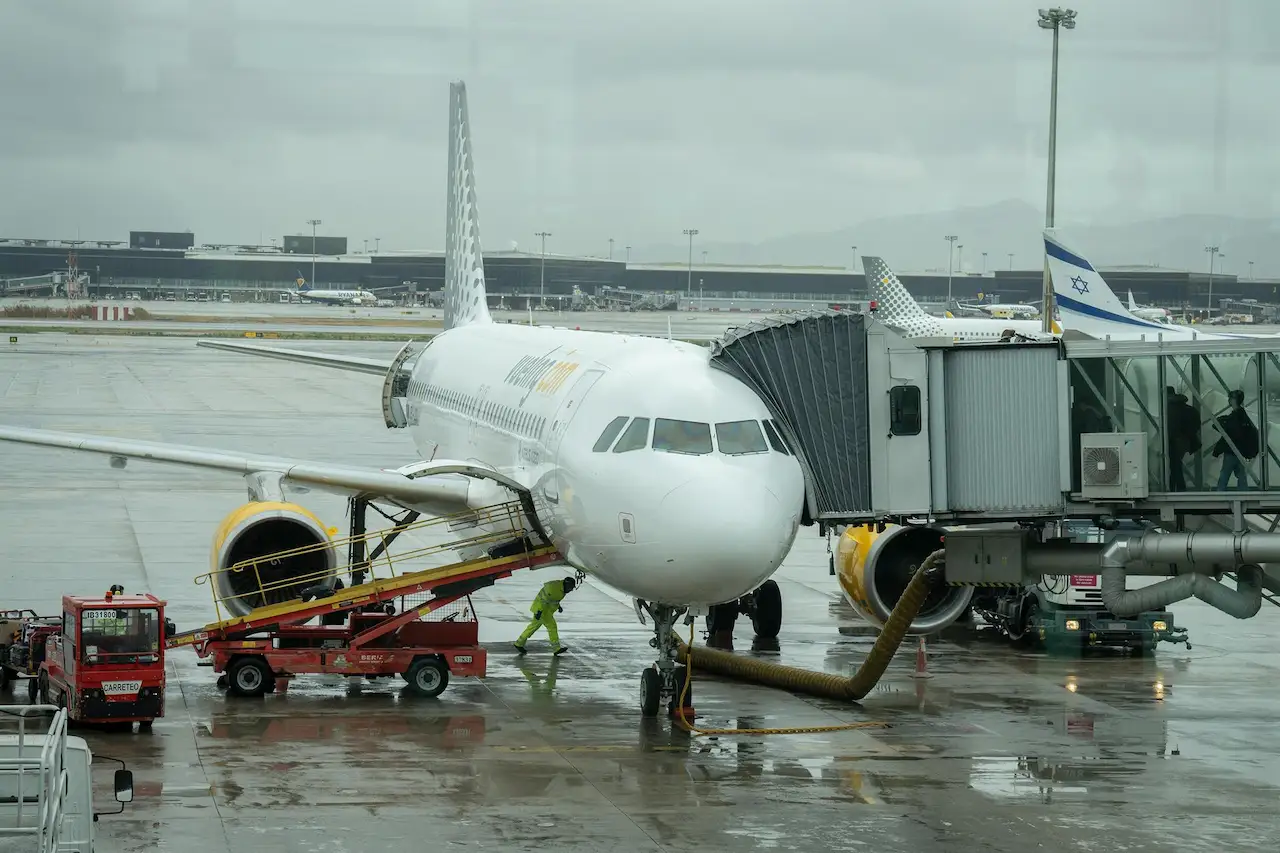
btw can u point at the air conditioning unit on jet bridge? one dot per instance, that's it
(1113, 466)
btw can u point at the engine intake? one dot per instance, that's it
(258, 532)
(874, 569)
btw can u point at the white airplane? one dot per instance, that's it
(1087, 304)
(337, 297)
(895, 307)
(1002, 309)
(1159, 315)
(648, 469)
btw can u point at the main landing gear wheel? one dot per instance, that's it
(427, 677)
(33, 689)
(767, 616)
(249, 676)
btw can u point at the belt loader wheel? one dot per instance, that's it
(249, 676)
(427, 677)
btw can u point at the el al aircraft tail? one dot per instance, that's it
(465, 299)
(1086, 303)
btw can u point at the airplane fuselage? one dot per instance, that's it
(701, 510)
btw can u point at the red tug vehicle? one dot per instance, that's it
(105, 662)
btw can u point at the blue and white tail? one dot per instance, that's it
(465, 299)
(1086, 303)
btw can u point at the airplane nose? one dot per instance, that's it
(725, 538)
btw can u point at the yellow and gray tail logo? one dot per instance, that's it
(895, 306)
(464, 290)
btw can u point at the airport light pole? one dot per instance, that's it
(960, 258)
(1250, 270)
(1010, 261)
(542, 269)
(313, 223)
(1213, 253)
(610, 248)
(853, 257)
(691, 232)
(377, 244)
(984, 263)
(951, 240)
(628, 254)
(1052, 19)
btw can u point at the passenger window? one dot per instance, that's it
(775, 439)
(737, 437)
(635, 438)
(610, 433)
(681, 436)
(904, 410)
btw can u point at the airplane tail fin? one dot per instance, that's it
(894, 303)
(1133, 305)
(465, 298)
(1086, 303)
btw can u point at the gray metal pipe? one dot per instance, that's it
(1242, 602)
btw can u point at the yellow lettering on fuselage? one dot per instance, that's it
(556, 377)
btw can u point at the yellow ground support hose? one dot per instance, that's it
(826, 685)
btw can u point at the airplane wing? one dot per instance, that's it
(374, 366)
(430, 485)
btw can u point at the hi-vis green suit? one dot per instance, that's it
(546, 603)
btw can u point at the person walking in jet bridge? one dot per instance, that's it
(1181, 435)
(546, 604)
(1238, 434)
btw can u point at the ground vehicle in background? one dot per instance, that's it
(22, 639)
(106, 662)
(46, 791)
(1066, 611)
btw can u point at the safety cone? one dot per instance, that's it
(922, 662)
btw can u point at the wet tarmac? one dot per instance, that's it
(997, 751)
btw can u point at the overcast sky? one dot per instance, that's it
(748, 120)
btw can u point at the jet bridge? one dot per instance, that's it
(1025, 434)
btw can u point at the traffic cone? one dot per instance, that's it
(922, 662)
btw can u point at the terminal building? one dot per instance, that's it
(151, 262)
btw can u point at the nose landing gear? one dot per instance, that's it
(662, 683)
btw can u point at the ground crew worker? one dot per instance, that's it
(544, 608)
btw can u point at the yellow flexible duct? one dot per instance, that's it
(826, 685)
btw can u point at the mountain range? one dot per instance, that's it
(915, 243)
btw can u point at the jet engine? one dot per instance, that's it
(874, 569)
(276, 542)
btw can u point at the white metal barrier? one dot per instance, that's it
(34, 778)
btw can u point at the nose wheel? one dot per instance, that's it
(662, 683)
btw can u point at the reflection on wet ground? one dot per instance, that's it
(999, 750)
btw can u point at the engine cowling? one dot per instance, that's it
(874, 569)
(256, 532)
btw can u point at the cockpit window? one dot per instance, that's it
(610, 433)
(681, 436)
(775, 438)
(737, 437)
(635, 438)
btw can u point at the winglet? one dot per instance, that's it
(465, 298)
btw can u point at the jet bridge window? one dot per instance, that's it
(904, 410)
(737, 437)
(681, 436)
(635, 438)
